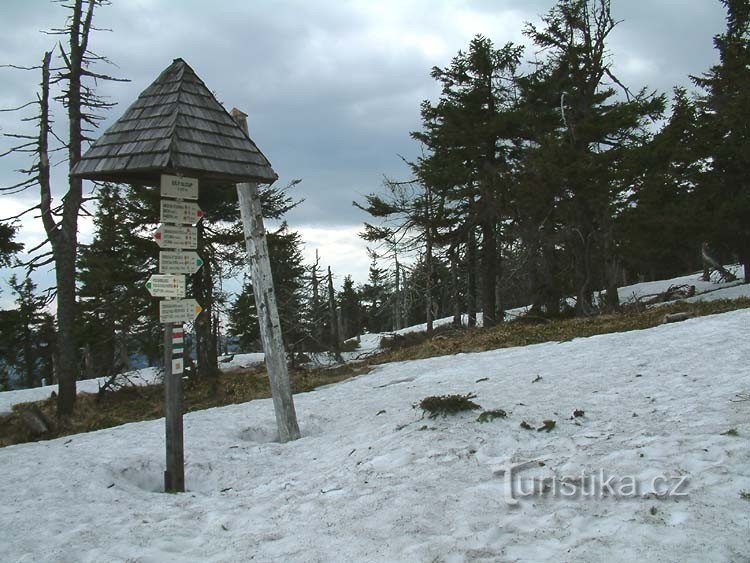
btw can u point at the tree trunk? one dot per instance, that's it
(489, 274)
(206, 351)
(713, 263)
(428, 260)
(333, 320)
(397, 324)
(316, 322)
(583, 248)
(428, 284)
(67, 344)
(471, 278)
(455, 290)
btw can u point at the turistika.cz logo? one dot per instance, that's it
(587, 485)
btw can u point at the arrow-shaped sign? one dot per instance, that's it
(166, 285)
(179, 187)
(180, 212)
(178, 310)
(172, 236)
(179, 262)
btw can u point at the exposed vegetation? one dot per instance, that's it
(134, 404)
(146, 403)
(521, 333)
(489, 416)
(444, 405)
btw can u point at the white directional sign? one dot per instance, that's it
(181, 212)
(179, 187)
(166, 285)
(179, 262)
(173, 236)
(178, 310)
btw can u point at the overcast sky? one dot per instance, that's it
(332, 87)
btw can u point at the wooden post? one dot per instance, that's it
(268, 314)
(265, 303)
(174, 476)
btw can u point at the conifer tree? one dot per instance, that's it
(665, 174)
(288, 271)
(724, 193)
(113, 270)
(32, 348)
(350, 303)
(583, 131)
(471, 134)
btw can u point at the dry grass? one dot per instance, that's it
(146, 403)
(133, 404)
(523, 333)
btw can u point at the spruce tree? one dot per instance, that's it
(288, 271)
(113, 270)
(32, 347)
(581, 133)
(350, 303)
(471, 134)
(724, 193)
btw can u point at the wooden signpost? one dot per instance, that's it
(177, 234)
(138, 149)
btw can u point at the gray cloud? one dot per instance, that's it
(333, 88)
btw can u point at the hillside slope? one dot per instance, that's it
(374, 480)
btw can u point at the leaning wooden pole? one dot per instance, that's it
(265, 303)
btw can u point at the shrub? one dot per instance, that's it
(448, 404)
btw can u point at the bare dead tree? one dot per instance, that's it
(83, 107)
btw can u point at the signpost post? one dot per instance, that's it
(177, 234)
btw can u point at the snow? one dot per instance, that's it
(147, 376)
(630, 292)
(240, 361)
(371, 480)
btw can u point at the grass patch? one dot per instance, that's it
(134, 404)
(445, 405)
(146, 403)
(523, 333)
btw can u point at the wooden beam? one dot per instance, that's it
(265, 302)
(174, 476)
(268, 314)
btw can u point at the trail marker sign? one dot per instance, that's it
(174, 236)
(178, 310)
(160, 285)
(180, 212)
(179, 262)
(179, 187)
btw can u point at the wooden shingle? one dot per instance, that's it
(176, 126)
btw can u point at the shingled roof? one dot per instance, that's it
(175, 126)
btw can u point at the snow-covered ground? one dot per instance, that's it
(146, 376)
(704, 291)
(630, 292)
(371, 480)
(241, 360)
